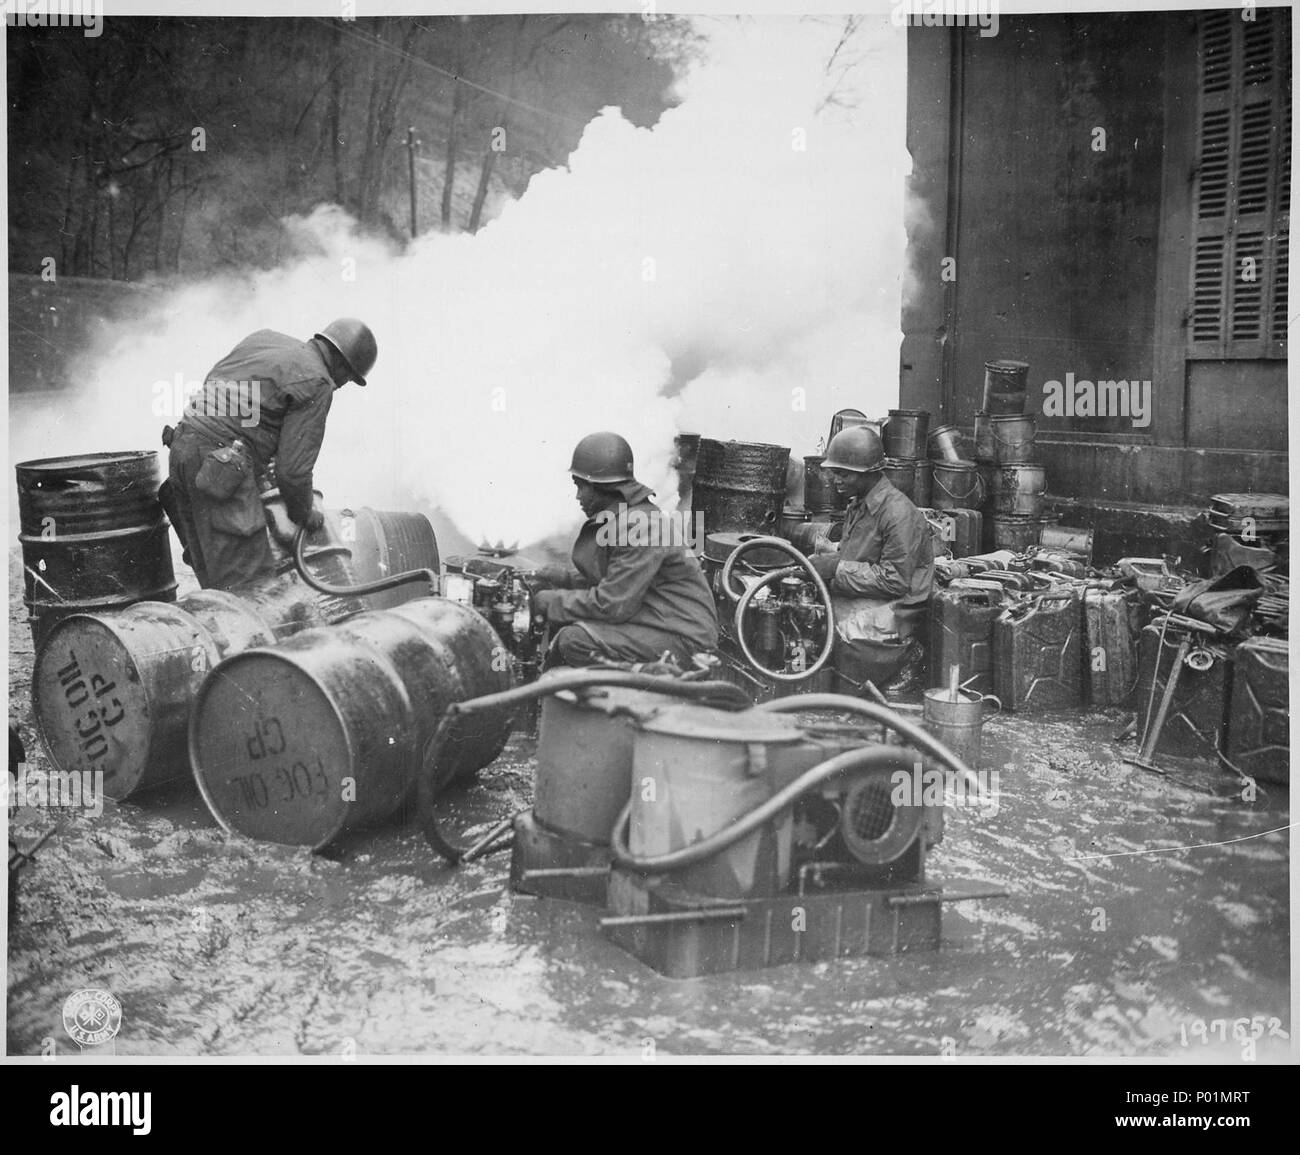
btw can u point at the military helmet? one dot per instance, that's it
(602, 459)
(355, 343)
(857, 449)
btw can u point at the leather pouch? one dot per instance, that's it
(223, 471)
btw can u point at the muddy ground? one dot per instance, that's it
(1110, 943)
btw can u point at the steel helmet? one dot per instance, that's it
(602, 458)
(857, 448)
(355, 344)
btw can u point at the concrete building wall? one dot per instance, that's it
(1074, 257)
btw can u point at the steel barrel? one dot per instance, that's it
(93, 535)
(112, 692)
(326, 733)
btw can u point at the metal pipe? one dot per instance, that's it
(480, 846)
(388, 583)
(1152, 736)
(941, 896)
(727, 912)
(565, 872)
(876, 758)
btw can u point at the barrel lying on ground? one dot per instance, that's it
(112, 692)
(326, 732)
(93, 535)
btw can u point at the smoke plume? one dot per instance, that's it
(736, 271)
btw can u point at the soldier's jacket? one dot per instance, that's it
(273, 392)
(886, 571)
(660, 586)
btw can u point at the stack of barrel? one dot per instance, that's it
(957, 491)
(1005, 452)
(906, 464)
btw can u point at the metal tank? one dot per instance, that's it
(695, 770)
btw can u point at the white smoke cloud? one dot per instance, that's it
(688, 277)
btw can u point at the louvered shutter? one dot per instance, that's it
(1240, 219)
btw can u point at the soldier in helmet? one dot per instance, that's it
(881, 574)
(266, 400)
(631, 594)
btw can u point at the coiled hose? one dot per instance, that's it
(873, 758)
(742, 603)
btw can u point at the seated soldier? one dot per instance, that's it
(881, 574)
(631, 594)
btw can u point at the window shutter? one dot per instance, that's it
(1240, 219)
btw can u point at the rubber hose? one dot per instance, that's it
(827, 645)
(742, 602)
(875, 758)
(725, 694)
(913, 733)
(374, 587)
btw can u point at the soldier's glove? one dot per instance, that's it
(826, 564)
(541, 603)
(314, 521)
(548, 577)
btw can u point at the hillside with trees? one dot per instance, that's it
(172, 146)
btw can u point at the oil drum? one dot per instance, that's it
(983, 437)
(901, 472)
(93, 535)
(1017, 534)
(945, 444)
(905, 432)
(957, 485)
(697, 770)
(327, 731)
(384, 543)
(923, 483)
(1004, 386)
(739, 485)
(1013, 438)
(1018, 490)
(113, 692)
(819, 495)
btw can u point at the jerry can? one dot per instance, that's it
(1036, 652)
(961, 633)
(1112, 623)
(1250, 513)
(1072, 565)
(962, 530)
(1194, 724)
(1258, 741)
